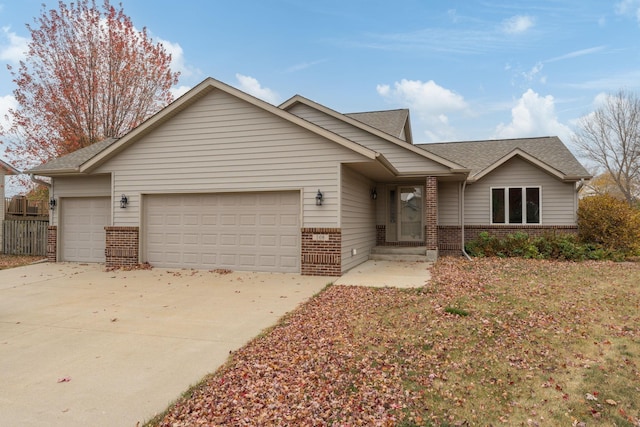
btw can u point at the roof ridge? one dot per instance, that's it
(475, 141)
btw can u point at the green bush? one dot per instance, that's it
(549, 246)
(610, 224)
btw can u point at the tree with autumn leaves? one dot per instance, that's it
(89, 74)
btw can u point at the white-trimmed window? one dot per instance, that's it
(516, 205)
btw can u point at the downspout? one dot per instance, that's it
(464, 186)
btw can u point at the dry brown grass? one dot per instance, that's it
(488, 342)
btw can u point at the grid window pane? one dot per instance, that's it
(497, 206)
(515, 206)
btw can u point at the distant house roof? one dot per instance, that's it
(484, 156)
(8, 169)
(391, 122)
(71, 162)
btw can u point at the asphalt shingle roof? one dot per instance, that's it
(390, 122)
(480, 155)
(73, 161)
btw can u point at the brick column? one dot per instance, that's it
(431, 217)
(52, 243)
(321, 252)
(121, 246)
(381, 235)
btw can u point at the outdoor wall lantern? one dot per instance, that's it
(52, 203)
(374, 194)
(123, 201)
(319, 198)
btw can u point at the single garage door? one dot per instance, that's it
(239, 231)
(82, 225)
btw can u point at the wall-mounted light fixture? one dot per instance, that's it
(374, 194)
(52, 203)
(124, 201)
(319, 198)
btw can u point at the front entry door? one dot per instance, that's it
(410, 211)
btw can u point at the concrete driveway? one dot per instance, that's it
(81, 346)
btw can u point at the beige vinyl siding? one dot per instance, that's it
(558, 198)
(403, 159)
(223, 144)
(358, 218)
(448, 203)
(81, 186)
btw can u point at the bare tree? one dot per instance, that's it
(610, 137)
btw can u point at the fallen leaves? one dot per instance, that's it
(538, 340)
(12, 261)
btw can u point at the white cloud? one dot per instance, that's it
(533, 115)
(177, 59)
(6, 102)
(16, 48)
(178, 91)
(629, 7)
(517, 24)
(530, 75)
(252, 87)
(430, 102)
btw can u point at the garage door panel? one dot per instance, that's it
(250, 231)
(82, 222)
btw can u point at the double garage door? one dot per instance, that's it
(239, 231)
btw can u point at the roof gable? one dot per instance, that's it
(482, 157)
(393, 122)
(89, 158)
(361, 124)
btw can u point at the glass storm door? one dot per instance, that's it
(410, 214)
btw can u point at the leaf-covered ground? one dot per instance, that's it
(11, 261)
(488, 342)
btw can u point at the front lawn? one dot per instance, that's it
(488, 342)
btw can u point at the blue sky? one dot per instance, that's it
(467, 69)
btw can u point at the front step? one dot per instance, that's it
(399, 253)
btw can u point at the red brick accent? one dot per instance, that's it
(121, 246)
(403, 244)
(431, 213)
(381, 235)
(449, 236)
(52, 243)
(321, 257)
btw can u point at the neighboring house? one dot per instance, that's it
(220, 179)
(5, 169)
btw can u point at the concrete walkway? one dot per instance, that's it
(80, 346)
(397, 274)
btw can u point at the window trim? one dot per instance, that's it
(524, 205)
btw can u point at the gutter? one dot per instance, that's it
(39, 181)
(464, 252)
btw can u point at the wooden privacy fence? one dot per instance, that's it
(24, 237)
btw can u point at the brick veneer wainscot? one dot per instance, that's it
(318, 257)
(122, 245)
(52, 243)
(449, 236)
